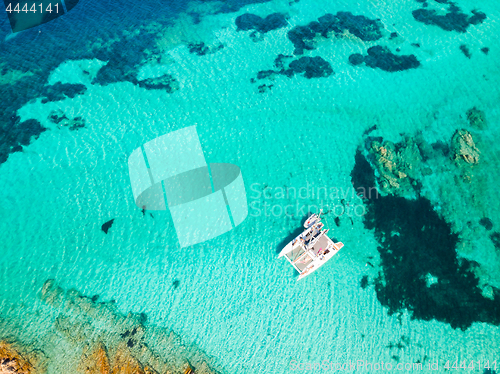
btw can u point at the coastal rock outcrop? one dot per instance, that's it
(464, 148)
(12, 361)
(115, 343)
(125, 363)
(95, 361)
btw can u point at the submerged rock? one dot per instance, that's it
(201, 49)
(250, 21)
(165, 82)
(361, 27)
(464, 148)
(454, 20)
(417, 245)
(398, 165)
(476, 118)
(106, 226)
(114, 343)
(60, 91)
(59, 118)
(486, 223)
(381, 57)
(13, 361)
(19, 134)
(310, 67)
(95, 360)
(125, 363)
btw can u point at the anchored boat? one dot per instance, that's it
(312, 248)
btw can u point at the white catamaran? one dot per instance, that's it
(312, 248)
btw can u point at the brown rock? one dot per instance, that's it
(464, 148)
(124, 363)
(11, 361)
(95, 361)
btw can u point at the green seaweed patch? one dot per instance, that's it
(453, 20)
(415, 245)
(366, 29)
(381, 57)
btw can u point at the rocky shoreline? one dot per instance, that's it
(98, 339)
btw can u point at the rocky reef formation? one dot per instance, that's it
(111, 343)
(261, 25)
(18, 134)
(60, 91)
(381, 57)
(417, 244)
(165, 82)
(303, 37)
(201, 49)
(398, 165)
(464, 148)
(13, 360)
(309, 67)
(59, 118)
(453, 20)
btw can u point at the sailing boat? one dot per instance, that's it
(312, 248)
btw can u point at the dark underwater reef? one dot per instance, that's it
(382, 58)
(271, 22)
(416, 245)
(309, 67)
(364, 28)
(453, 20)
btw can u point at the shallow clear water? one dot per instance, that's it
(230, 297)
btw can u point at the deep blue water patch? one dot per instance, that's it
(364, 28)
(381, 57)
(453, 20)
(414, 245)
(250, 21)
(309, 67)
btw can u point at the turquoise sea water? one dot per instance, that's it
(230, 297)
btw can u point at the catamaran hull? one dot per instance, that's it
(318, 264)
